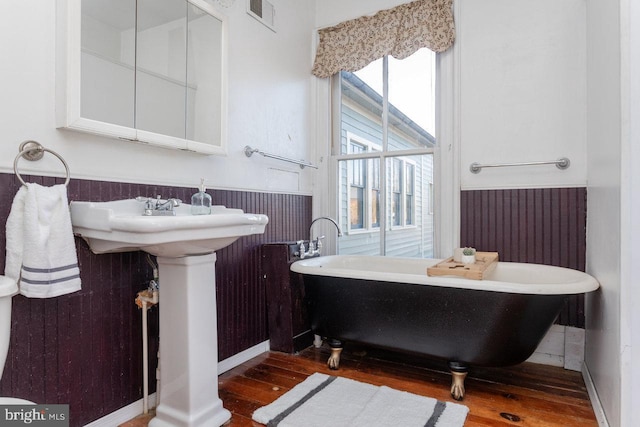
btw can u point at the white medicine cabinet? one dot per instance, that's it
(151, 71)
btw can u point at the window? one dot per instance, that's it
(402, 200)
(375, 193)
(408, 193)
(396, 193)
(357, 188)
(364, 186)
(385, 119)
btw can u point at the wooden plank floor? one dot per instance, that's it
(524, 395)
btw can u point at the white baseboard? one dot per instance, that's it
(122, 415)
(134, 409)
(593, 396)
(238, 359)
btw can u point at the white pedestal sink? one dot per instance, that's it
(185, 247)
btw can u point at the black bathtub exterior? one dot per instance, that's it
(472, 327)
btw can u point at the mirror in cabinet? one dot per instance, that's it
(151, 71)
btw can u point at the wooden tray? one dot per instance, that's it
(485, 263)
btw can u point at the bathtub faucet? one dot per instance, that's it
(315, 246)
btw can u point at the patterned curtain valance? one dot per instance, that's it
(399, 32)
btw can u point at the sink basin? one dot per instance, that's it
(119, 226)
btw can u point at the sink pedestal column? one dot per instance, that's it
(188, 344)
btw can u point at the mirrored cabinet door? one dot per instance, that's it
(161, 68)
(204, 77)
(143, 70)
(108, 62)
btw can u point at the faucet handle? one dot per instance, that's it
(148, 204)
(318, 245)
(302, 251)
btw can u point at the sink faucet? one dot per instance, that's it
(160, 207)
(315, 246)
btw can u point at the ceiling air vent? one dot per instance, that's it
(263, 11)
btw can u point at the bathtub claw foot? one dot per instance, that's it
(458, 375)
(336, 349)
(457, 385)
(334, 359)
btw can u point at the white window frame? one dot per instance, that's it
(383, 155)
(445, 190)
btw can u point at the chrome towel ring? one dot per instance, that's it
(32, 151)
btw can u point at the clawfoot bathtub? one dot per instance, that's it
(391, 303)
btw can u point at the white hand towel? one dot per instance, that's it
(41, 250)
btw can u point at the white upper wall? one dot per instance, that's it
(522, 91)
(270, 99)
(332, 12)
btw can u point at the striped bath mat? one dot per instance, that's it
(322, 400)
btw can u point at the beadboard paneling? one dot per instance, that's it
(542, 226)
(84, 348)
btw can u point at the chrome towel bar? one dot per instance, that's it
(248, 151)
(561, 163)
(32, 151)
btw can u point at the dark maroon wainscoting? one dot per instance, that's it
(543, 226)
(84, 348)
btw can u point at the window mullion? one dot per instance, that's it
(401, 206)
(368, 194)
(385, 104)
(383, 163)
